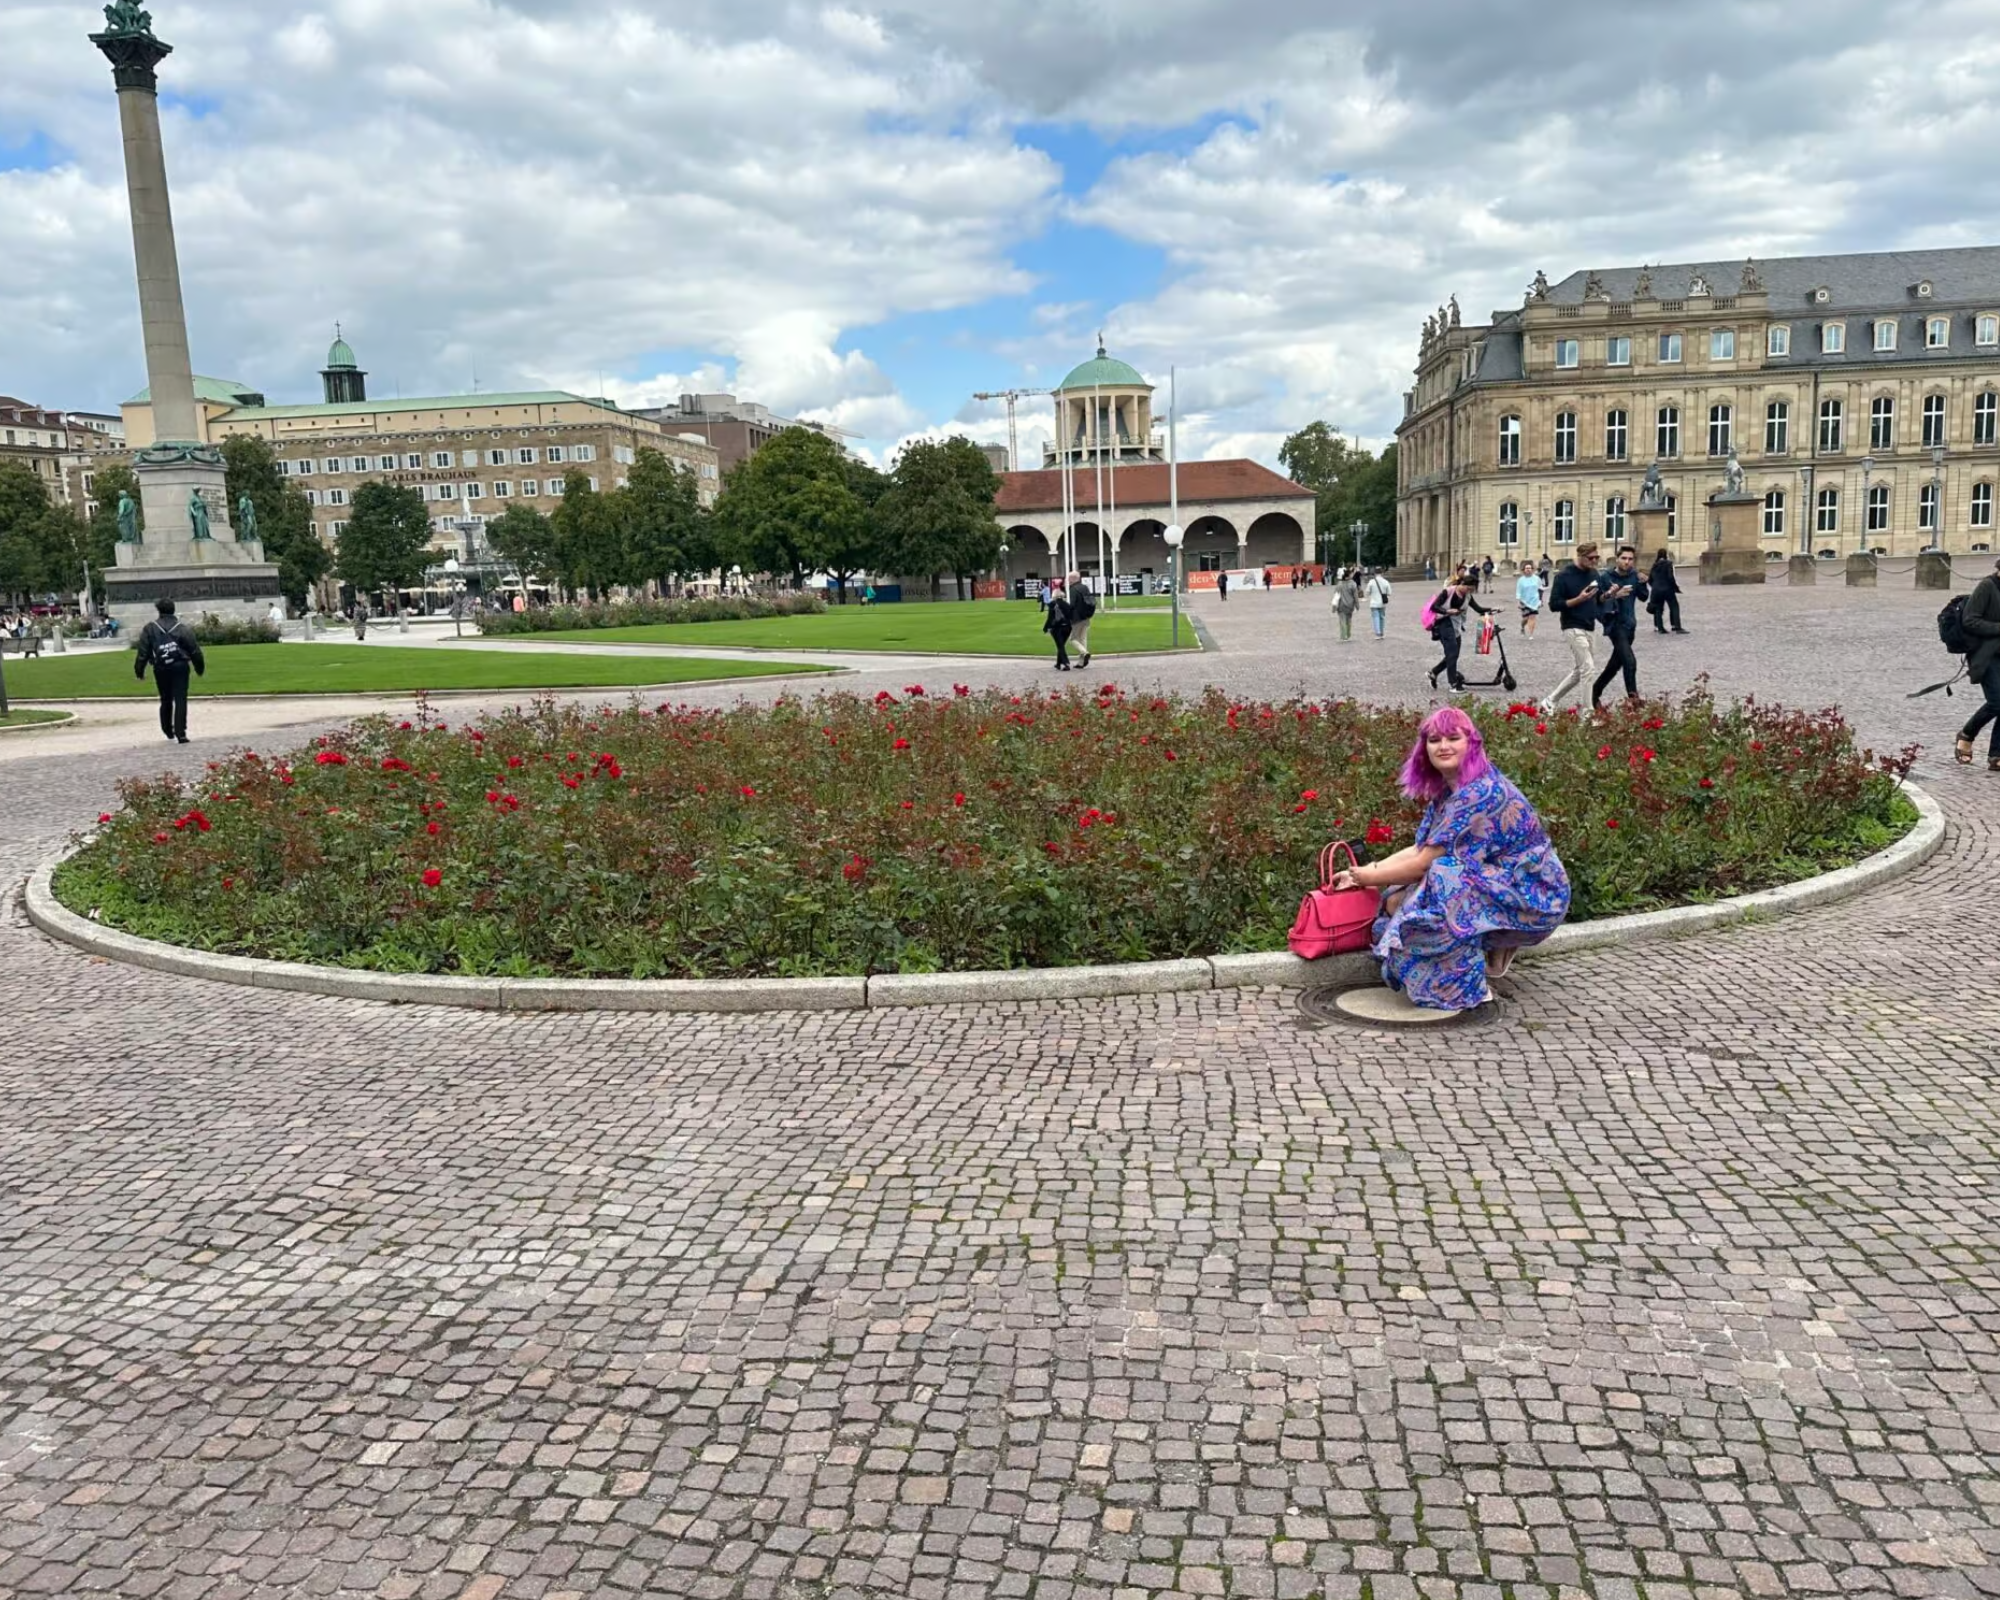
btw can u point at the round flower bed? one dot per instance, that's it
(923, 831)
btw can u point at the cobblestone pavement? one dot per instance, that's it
(1676, 1281)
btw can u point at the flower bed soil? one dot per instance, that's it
(925, 831)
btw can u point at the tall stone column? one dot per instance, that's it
(188, 551)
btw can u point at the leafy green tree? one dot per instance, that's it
(386, 545)
(661, 520)
(937, 516)
(526, 537)
(788, 508)
(843, 560)
(1351, 484)
(106, 484)
(25, 508)
(589, 538)
(284, 517)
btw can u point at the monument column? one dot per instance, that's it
(188, 553)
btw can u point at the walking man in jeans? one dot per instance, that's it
(169, 646)
(1573, 597)
(1620, 617)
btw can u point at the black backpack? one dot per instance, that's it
(1951, 627)
(167, 649)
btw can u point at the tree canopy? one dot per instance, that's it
(43, 545)
(1351, 485)
(789, 509)
(386, 544)
(937, 515)
(659, 512)
(284, 518)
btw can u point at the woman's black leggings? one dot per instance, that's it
(1448, 667)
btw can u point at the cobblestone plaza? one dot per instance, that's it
(1675, 1280)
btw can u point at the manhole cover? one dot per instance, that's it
(1371, 1006)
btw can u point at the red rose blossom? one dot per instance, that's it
(331, 758)
(433, 829)
(104, 816)
(433, 876)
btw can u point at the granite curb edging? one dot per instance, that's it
(62, 719)
(1273, 969)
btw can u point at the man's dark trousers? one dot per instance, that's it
(172, 682)
(1622, 660)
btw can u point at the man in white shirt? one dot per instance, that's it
(1377, 596)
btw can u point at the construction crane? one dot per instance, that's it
(1013, 437)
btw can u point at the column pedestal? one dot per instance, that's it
(1933, 570)
(1802, 572)
(1861, 570)
(1733, 554)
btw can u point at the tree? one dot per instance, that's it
(589, 541)
(938, 514)
(26, 515)
(788, 508)
(284, 516)
(107, 483)
(1351, 485)
(522, 535)
(661, 519)
(844, 560)
(386, 545)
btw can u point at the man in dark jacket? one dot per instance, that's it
(1619, 619)
(1082, 607)
(1666, 592)
(171, 649)
(1056, 625)
(1573, 600)
(1981, 622)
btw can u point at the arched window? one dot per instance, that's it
(1830, 426)
(1927, 508)
(1565, 436)
(1614, 519)
(1774, 513)
(1882, 422)
(1565, 522)
(1828, 517)
(1777, 428)
(1937, 333)
(1982, 505)
(1616, 434)
(1933, 420)
(1667, 433)
(1985, 408)
(1510, 523)
(1510, 441)
(1878, 508)
(1718, 430)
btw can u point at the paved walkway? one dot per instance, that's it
(1677, 1281)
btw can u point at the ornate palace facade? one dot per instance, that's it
(1860, 393)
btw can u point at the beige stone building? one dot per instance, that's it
(476, 453)
(50, 444)
(1860, 394)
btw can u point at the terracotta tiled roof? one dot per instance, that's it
(1147, 486)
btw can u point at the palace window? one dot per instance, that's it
(474, 491)
(1828, 516)
(1774, 513)
(1778, 341)
(1616, 433)
(1937, 333)
(1670, 347)
(496, 458)
(1777, 428)
(1510, 523)
(444, 491)
(1885, 335)
(1878, 508)
(302, 469)
(1565, 436)
(415, 463)
(531, 486)
(1927, 508)
(1882, 423)
(1618, 352)
(312, 497)
(1718, 430)
(1988, 329)
(336, 529)
(336, 497)
(1673, 502)
(1567, 351)
(556, 455)
(1833, 338)
(502, 488)
(585, 452)
(1667, 434)
(1984, 409)
(1565, 532)
(525, 456)
(1933, 420)
(1614, 519)
(1982, 505)
(387, 463)
(1830, 426)
(441, 459)
(284, 468)
(557, 485)
(1722, 344)
(1510, 442)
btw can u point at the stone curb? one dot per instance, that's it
(1273, 969)
(391, 696)
(60, 720)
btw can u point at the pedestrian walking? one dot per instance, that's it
(360, 619)
(1620, 621)
(1222, 584)
(1377, 596)
(1056, 626)
(1666, 589)
(1082, 607)
(170, 648)
(1528, 596)
(1346, 595)
(1573, 599)
(1046, 592)
(1980, 622)
(1486, 575)
(1450, 608)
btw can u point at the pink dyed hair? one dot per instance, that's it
(1421, 780)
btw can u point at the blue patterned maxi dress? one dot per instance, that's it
(1499, 882)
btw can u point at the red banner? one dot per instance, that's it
(989, 588)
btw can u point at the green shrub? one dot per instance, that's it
(650, 613)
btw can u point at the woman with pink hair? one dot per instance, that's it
(1481, 882)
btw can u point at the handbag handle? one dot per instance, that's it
(1329, 856)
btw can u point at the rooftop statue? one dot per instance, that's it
(124, 19)
(1593, 288)
(1752, 279)
(1454, 311)
(1539, 289)
(1697, 287)
(1643, 289)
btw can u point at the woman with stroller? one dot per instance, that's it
(1449, 609)
(1481, 883)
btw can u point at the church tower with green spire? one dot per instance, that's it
(343, 379)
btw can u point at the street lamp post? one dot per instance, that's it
(457, 598)
(1174, 536)
(1805, 511)
(1358, 529)
(1867, 502)
(1937, 497)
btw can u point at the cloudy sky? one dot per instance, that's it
(865, 213)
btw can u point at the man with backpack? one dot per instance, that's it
(169, 646)
(1573, 597)
(1978, 629)
(1082, 607)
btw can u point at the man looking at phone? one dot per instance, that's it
(1620, 597)
(1575, 597)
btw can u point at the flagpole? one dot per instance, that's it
(1111, 478)
(1175, 560)
(1097, 461)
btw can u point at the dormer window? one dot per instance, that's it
(1987, 329)
(1885, 335)
(1937, 333)
(1833, 338)
(1822, 296)
(1922, 290)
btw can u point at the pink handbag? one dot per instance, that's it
(1332, 921)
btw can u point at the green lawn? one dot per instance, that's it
(367, 669)
(23, 717)
(985, 627)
